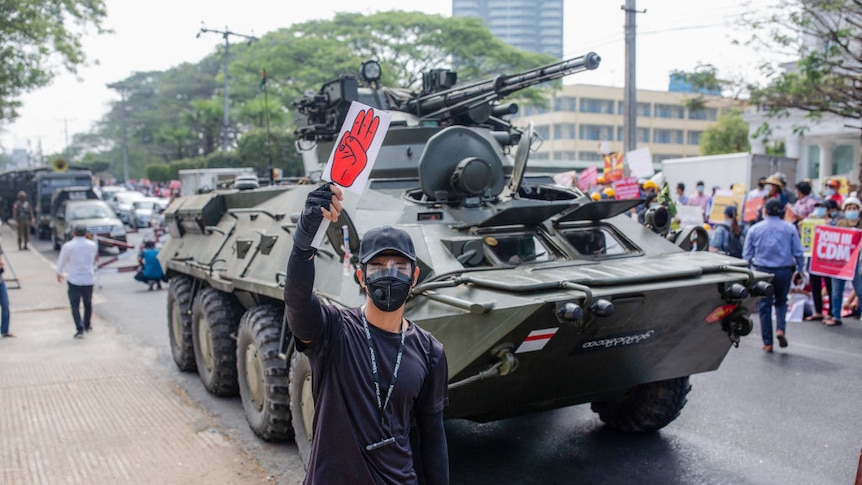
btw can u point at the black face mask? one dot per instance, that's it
(388, 289)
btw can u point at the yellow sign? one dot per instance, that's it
(806, 233)
(720, 202)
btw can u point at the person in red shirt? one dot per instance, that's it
(831, 191)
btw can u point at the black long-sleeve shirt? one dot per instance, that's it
(347, 416)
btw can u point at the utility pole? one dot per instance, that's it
(225, 35)
(122, 89)
(630, 114)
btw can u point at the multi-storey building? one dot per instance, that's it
(581, 117)
(531, 25)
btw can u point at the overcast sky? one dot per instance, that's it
(158, 34)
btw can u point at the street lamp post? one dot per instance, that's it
(225, 35)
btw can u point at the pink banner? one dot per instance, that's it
(835, 251)
(627, 188)
(588, 178)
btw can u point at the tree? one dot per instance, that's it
(254, 152)
(159, 172)
(34, 35)
(728, 135)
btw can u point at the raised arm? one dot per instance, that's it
(301, 307)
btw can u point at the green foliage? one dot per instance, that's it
(254, 152)
(159, 172)
(178, 114)
(728, 135)
(223, 160)
(36, 35)
(185, 164)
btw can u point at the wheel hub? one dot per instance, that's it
(254, 376)
(204, 337)
(176, 325)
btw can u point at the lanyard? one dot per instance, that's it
(381, 405)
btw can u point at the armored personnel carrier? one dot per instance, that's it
(541, 297)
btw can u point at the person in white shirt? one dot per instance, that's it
(79, 255)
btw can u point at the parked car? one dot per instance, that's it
(245, 182)
(95, 214)
(109, 193)
(145, 212)
(124, 203)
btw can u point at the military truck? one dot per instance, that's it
(541, 297)
(46, 183)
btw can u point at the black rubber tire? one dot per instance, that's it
(646, 407)
(260, 328)
(221, 312)
(300, 371)
(180, 314)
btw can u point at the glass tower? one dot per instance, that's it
(531, 25)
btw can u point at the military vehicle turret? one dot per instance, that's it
(541, 297)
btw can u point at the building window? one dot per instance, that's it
(706, 114)
(596, 132)
(694, 137)
(605, 106)
(814, 162)
(567, 155)
(544, 132)
(660, 157)
(643, 135)
(669, 111)
(565, 103)
(667, 136)
(593, 156)
(540, 156)
(842, 160)
(564, 131)
(643, 109)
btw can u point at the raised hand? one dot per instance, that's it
(351, 153)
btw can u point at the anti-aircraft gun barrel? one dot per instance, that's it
(455, 101)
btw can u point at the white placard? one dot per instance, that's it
(354, 154)
(640, 163)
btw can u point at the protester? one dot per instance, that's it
(831, 191)
(820, 283)
(4, 302)
(789, 195)
(800, 301)
(851, 219)
(773, 246)
(700, 199)
(759, 191)
(805, 201)
(775, 189)
(150, 271)
(24, 216)
(80, 255)
(681, 198)
(361, 433)
(728, 237)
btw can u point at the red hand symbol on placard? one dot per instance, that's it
(351, 153)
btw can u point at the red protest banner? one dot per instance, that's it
(626, 188)
(588, 178)
(752, 207)
(835, 252)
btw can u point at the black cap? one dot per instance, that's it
(730, 211)
(386, 238)
(774, 207)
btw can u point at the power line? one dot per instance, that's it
(226, 35)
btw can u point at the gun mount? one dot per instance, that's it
(322, 113)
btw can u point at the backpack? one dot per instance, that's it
(733, 245)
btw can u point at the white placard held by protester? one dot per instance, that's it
(355, 152)
(640, 163)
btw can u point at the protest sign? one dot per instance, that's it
(835, 251)
(640, 163)
(720, 201)
(626, 188)
(752, 209)
(806, 234)
(353, 157)
(588, 178)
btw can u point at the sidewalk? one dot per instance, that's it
(90, 410)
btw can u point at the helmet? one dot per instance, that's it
(595, 196)
(609, 192)
(833, 183)
(600, 180)
(649, 184)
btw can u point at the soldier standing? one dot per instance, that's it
(24, 216)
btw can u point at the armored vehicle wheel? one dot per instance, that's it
(262, 374)
(301, 404)
(180, 322)
(646, 407)
(215, 316)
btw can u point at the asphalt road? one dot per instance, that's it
(791, 417)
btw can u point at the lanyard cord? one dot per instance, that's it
(381, 405)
